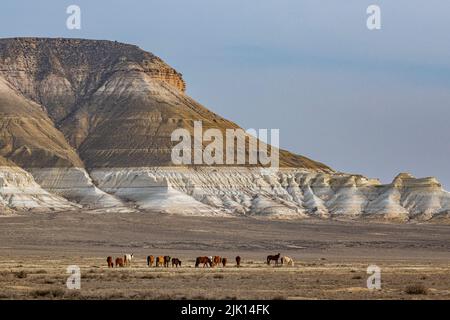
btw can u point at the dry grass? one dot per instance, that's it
(48, 293)
(31, 268)
(252, 281)
(21, 274)
(416, 289)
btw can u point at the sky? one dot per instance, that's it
(373, 102)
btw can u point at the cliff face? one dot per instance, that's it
(115, 104)
(62, 73)
(28, 136)
(86, 123)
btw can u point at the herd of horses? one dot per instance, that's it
(205, 261)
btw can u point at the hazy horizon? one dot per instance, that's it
(360, 101)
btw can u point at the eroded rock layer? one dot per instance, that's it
(288, 193)
(19, 191)
(87, 124)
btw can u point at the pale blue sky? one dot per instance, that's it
(370, 102)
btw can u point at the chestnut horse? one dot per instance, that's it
(150, 261)
(216, 261)
(204, 260)
(159, 261)
(110, 262)
(119, 262)
(275, 258)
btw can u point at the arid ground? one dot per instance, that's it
(331, 257)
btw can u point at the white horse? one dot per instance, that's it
(287, 260)
(127, 259)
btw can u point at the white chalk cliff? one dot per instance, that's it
(86, 125)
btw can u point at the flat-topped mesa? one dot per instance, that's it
(114, 104)
(86, 123)
(406, 180)
(59, 73)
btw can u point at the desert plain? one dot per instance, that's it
(331, 257)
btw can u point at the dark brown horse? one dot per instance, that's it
(176, 262)
(119, 262)
(275, 258)
(166, 261)
(110, 262)
(150, 261)
(224, 262)
(203, 260)
(238, 261)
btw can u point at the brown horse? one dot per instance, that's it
(224, 262)
(238, 261)
(119, 262)
(150, 261)
(176, 262)
(275, 258)
(216, 261)
(110, 262)
(159, 261)
(203, 260)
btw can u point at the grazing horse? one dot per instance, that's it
(150, 261)
(159, 261)
(204, 260)
(287, 260)
(275, 258)
(127, 259)
(110, 262)
(238, 261)
(216, 261)
(224, 262)
(166, 261)
(176, 262)
(119, 262)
